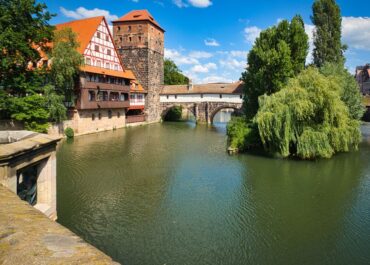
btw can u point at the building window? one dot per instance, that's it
(129, 39)
(99, 116)
(220, 95)
(91, 96)
(175, 96)
(140, 39)
(107, 65)
(109, 52)
(129, 28)
(168, 96)
(118, 114)
(98, 63)
(97, 48)
(119, 28)
(241, 96)
(116, 67)
(109, 114)
(201, 95)
(88, 61)
(93, 116)
(98, 35)
(114, 96)
(132, 97)
(107, 37)
(123, 97)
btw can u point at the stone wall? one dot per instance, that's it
(10, 125)
(90, 121)
(204, 112)
(29, 237)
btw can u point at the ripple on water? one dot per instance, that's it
(169, 194)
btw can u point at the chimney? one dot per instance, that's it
(190, 85)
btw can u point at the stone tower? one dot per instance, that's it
(140, 43)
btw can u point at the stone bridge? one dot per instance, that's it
(204, 112)
(204, 101)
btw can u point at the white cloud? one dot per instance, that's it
(211, 42)
(235, 53)
(233, 64)
(356, 32)
(200, 55)
(251, 33)
(309, 29)
(200, 3)
(82, 12)
(216, 79)
(179, 58)
(203, 68)
(180, 3)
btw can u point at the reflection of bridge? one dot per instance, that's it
(203, 101)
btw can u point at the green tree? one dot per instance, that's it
(349, 88)
(327, 35)
(307, 118)
(66, 62)
(173, 75)
(278, 54)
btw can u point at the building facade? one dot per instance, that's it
(140, 43)
(103, 93)
(363, 78)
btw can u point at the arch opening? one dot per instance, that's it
(223, 114)
(178, 113)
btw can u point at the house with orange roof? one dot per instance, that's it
(103, 93)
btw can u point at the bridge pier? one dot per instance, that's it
(203, 112)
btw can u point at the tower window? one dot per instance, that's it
(129, 28)
(129, 39)
(139, 38)
(119, 28)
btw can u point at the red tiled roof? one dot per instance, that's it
(139, 15)
(84, 28)
(98, 70)
(216, 88)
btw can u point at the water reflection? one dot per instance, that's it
(169, 194)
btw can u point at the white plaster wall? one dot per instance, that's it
(197, 98)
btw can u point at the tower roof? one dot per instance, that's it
(139, 15)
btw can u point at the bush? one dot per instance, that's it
(174, 114)
(242, 135)
(69, 132)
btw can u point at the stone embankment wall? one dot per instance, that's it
(29, 237)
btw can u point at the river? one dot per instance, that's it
(169, 194)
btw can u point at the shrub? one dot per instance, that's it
(174, 114)
(69, 132)
(242, 135)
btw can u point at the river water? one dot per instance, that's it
(169, 194)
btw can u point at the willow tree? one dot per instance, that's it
(307, 119)
(278, 54)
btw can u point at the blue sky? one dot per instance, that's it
(209, 39)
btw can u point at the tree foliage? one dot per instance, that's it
(307, 118)
(173, 75)
(242, 135)
(327, 35)
(66, 62)
(174, 114)
(278, 54)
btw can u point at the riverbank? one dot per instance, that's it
(29, 237)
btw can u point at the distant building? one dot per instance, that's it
(363, 78)
(140, 43)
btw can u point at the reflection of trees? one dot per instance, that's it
(299, 208)
(111, 185)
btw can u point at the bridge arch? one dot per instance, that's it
(216, 109)
(167, 108)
